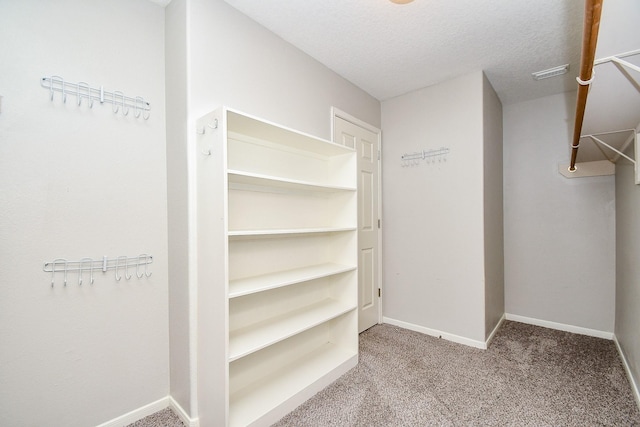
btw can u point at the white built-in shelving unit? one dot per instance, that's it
(286, 212)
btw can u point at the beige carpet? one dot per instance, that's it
(530, 376)
(164, 418)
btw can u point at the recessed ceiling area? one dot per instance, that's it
(390, 49)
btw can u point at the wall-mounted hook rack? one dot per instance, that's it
(117, 99)
(429, 156)
(87, 266)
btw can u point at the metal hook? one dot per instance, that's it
(138, 266)
(124, 112)
(65, 272)
(44, 79)
(214, 125)
(146, 110)
(147, 260)
(126, 268)
(82, 261)
(64, 94)
(117, 265)
(137, 111)
(52, 81)
(51, 89)
(114, 106)
(91, 274)
(89, 95)
(53, 270)
(145, 267)
(83, 86)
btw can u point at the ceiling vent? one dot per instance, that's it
(551, 72)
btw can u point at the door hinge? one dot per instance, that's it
(379, 292)
(378, 223)
(378, 154)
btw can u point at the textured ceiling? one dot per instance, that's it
(389, 49)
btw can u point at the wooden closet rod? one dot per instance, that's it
(592, 11)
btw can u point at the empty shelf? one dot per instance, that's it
(267, 181)
(254, 337)
(253, 127)
(253, 402)
(283, 231)
(250, 285)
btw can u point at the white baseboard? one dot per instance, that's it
(495, 330)
(151, 408)
(635, 387)
(435, 333)
(138, 414)
(560, 326)
(182, 414)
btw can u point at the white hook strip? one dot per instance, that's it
(62, 265)
(80, 90)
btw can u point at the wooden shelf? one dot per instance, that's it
(253, 402)
(258, 336)
(251, 285)
(292, 231)
(266, 181)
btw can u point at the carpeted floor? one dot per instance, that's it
(164, 418)
(529, 376)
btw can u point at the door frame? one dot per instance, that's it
(335, 113)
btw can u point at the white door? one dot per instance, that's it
(367, 144)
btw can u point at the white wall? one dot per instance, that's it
(232, 61)
(240, 64)
(627, 266)
(78, 182)
(176, 132)
(559, 233)
(493, 208)
(433, 238)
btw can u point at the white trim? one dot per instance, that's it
(635, 387)
(186, 420)
(495, 330)
(336, 112)
(560, 326)
(436, 333)
(149, 409)
(192, 231)
(138, 414)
